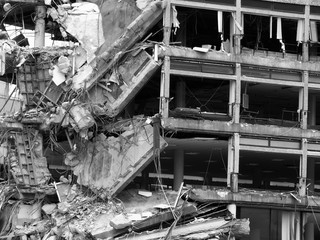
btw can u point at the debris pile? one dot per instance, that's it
(78, 213)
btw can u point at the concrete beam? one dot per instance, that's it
(297, 2)
(203, 5)
(271, 62)
(273, 81)
(202, 74)
(228, 128)
(258, 198)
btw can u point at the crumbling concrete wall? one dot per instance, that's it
(107, 165)
(116, 16)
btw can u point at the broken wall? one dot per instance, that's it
(109, 164)
(116, 16)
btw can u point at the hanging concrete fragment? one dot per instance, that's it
(107, 165)
(125, 82)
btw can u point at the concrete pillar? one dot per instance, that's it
(309, 229)
(233, 210)
(145, 179)
(180, 93)
(178, 168)
(310, 174)
(39, 38)
(303, 168)
(305, 46)
(312, 110)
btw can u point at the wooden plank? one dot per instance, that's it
(202, 74)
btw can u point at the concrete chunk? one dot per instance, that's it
(120, 221)
(49, 208)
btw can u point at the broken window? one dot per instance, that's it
(269, 170)
(267, 103)
(199, 98)
(272, 34)
(203, 27)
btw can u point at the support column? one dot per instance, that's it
(178, 168)
(303, 168)
(308, 226)
(39, 38)
(233, 210)
(304, 117)
(233, 162)
(180, 93)
(232, 96)
(312, 116)
(165, 72)
(167, 22)
(310, 174)
(165, 88)
(237, 39)
(230, 161)
(236, 107)
(305, 46)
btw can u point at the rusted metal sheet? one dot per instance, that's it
(107, 165)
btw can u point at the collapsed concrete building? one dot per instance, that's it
(215, 100)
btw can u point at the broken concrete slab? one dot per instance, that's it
(133, 73)
(215, 226)
(109, 164)
(49, 208)
(27, 214)
(120, 221)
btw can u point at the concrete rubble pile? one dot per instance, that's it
(73, 99)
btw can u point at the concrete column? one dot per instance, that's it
(39, 38)
(236, 108)
(180, 93)
(232, 97)
(145, 179)
(309, 231)
(165, 88)
(233, 210)
(310, 174)
(230, 161)
(178, 168)
(312, 110)
(167, 22)
(303, 168)
(237, 30)
(305, 46)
